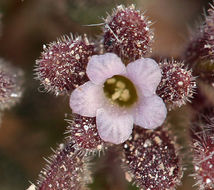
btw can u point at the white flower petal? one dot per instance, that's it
(102, 67)
(114, 127)
(145, 74)
(150, 113)
(86, 99)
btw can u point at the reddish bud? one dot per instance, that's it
(11, 80)
(127, 33)
(177, 84)
(66, 170)
(62, 66)
(151, 159)
(83, 131)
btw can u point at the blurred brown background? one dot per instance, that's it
(37, 123)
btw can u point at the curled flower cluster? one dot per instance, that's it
(110, 93)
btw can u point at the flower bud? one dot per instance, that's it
(62, 65)
(66, 169)
(127, 33)
(177, 84)
(151, 160)
(83, 131)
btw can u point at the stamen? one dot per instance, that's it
(120, 90)
(125, 96)
(120, 85)
(111, 81)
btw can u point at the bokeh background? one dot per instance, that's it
(29, 129)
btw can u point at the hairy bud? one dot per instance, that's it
(83, 131)
(62, 65)
(151, 159)
(66, 169)
(177, 84)
(127, 33)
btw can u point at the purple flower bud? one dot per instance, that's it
(151, 160)
(62, 65)
(66, 169)
(127, 33)
(177, 84)
(83, 132)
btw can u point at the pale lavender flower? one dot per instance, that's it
(120, 96)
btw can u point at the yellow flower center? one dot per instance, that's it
(120, 90)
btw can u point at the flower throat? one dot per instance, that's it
(120, 90)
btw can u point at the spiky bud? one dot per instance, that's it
(83, 131)
(66, 169)
(127, 33)
(62, 65)
(11, 80)
(177, 84)
(202, 135)
(200, 51)
(151, 160)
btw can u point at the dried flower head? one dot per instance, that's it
(66, 169)
(11, 80)
(177, 84)
(127, 33)
(119, 96)
(202, 134)
(151, 160)
(61, 67)
(83, 132)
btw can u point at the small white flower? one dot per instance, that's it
(120, 96)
